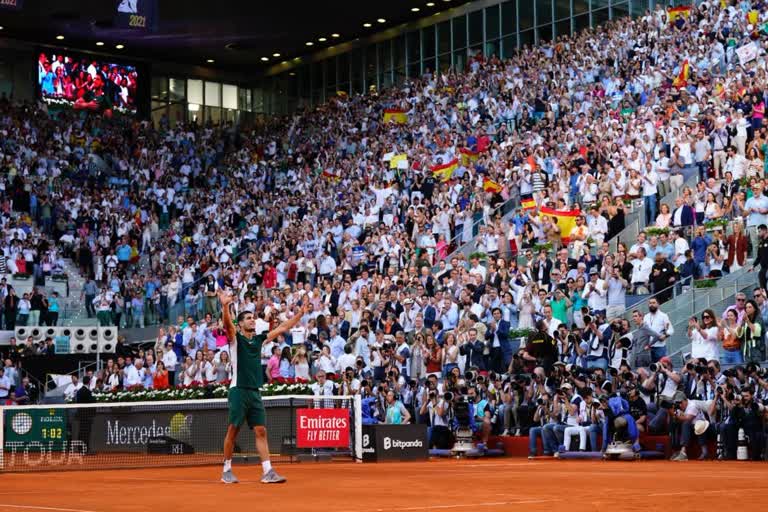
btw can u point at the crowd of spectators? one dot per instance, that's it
(310, 210)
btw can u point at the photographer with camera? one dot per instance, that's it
(553, 434)
(749, 415)
(483, 412)
(544, 415)
(514, 396)
(691, 419)
(540, 349)
(349, 384)
(618, 422)
(435, 407)
(594, 343)
(579, 418)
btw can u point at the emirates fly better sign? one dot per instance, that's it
(322, 428)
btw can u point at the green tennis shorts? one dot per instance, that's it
(245, 405)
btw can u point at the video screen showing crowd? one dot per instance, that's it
(87, 83)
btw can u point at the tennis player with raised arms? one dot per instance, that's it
(245, 404)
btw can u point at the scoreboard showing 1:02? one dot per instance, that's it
(40, 426)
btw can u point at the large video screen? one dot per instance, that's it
(86, 83)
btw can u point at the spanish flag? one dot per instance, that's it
(566, 220)
(395, 115)
(445, 171)
(528, 204)
(682, 78)
(491, 186)
(676, 12)
(468, 156)
(331, 176)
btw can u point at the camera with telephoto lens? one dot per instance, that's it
(654, 367)
(432, 395)
(363, 384)
(700, 369)
(470, 375)
(413, 383)
(448, 396)
(480, 379)
(391, 373)
(587, 319)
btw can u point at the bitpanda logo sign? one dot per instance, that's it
(396, 444)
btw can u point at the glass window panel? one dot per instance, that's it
(526, 38)
(317, 96)
(508, 17)
(414, 69)
(620, 9)
(357, 71)
(508, 46)
(460, 60)
(599, 4)
(428, 42)
(476, 27)
(492, 48)
(330, 73)
(244, 99)
(638, 8)
(212, 114)
(563, 28)
(159, 109)
(580, 23)
(229, 96)
(580, 6)
(545, 33)
(370, 66)
(599, 17)
(386, 80)
(444, 62)
(562, 9)
(386, 54)
(444, 37)
(177, 89)
(177, 113)
(543, 12)
(258, 100)
(159, 87)
(492, 23)
(525, 8)
(459, 32)
(343, 71)
(195, 91)
(429, 65)
(212, 94)
(399, 77)
(398, 49)
(413, 46)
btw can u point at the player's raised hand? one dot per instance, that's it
(225, 297)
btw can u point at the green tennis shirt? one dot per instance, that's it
(245, 354)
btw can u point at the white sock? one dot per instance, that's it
(266, 466)
(228, 465)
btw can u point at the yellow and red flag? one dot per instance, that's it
(329, 174)
(682, 78)
(445, 171)
(676, 12)
(752, 17)
(491, 186)
(566, 220)
(528, 204)
(468, 156)
(395, 115)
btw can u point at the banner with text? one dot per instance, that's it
(322, 428)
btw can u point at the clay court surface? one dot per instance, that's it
(451, 485)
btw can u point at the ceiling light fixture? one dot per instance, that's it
(322, 39)
(275, 55)
(99, 43)
(265, 59)
(1, 28)
(367, 25)
(381, 20)
(309, 43)
(335, 35)
(415, 9)
(210, 61)
(60, 38)
(430, 4)
(119, 46)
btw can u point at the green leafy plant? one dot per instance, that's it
(705, 283)
(543, 247)
(717, 223)
(22, 275)
(478, 255)
(519, 333)
(654, 231)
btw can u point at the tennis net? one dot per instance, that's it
(172, 433)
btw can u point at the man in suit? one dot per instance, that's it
(497, 337)
(683, 215)
(730, 186)
(473, 349)
(542, 268)
(430, 311)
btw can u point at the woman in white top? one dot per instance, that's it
(450, 354)
(300, 364)
(705, 336)
(712, 209)
(664, 219)
(326, 361)
(190, 370)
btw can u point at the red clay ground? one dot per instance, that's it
(444, 485)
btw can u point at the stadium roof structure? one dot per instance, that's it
(226, 34)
